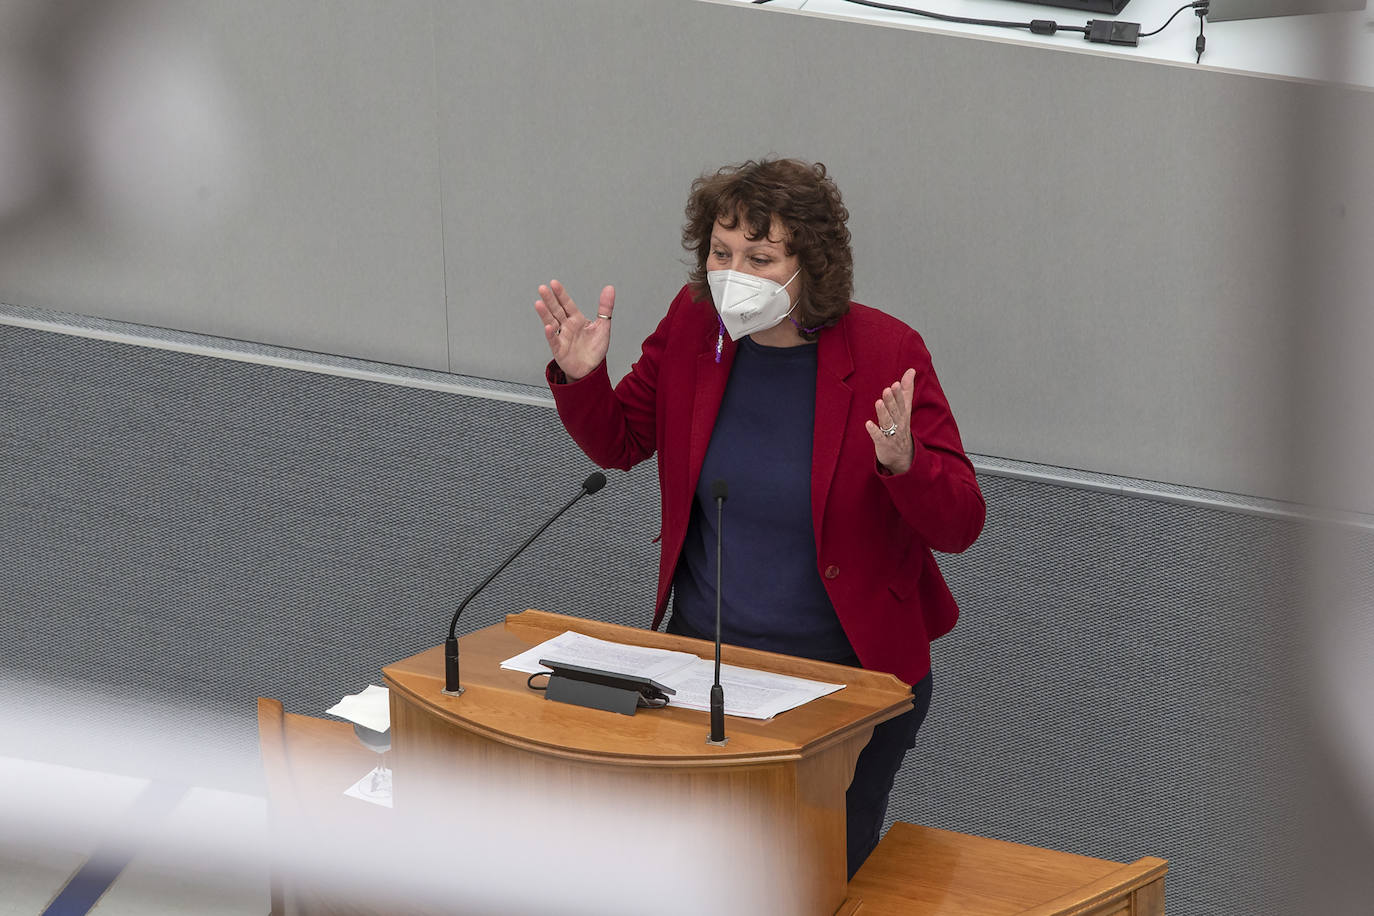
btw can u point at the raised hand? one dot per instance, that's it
(891, 434)
(578, 344)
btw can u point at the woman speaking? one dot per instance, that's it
(823, 416)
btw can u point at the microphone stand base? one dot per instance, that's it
(721, 743)
(454, 693)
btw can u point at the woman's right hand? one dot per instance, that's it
(577, 344)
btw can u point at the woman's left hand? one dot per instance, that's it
(892, 443)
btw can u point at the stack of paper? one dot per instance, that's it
(748, 693)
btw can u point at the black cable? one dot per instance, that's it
(1038, 26)
(1171, 18)
(999, 23)
(529, 681)
(1202, 8)
(1109, 31)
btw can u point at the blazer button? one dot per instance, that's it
(832, 572)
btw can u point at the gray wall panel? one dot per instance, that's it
(577, 169)
(1122, 680)
(269, 173)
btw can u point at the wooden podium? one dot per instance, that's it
(921, 871)
(779, 784)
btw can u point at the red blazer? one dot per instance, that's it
(874, 532)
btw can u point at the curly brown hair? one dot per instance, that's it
(806, 202)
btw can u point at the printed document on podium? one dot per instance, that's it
(748, 693)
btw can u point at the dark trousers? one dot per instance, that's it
(866, 801)
(876, 771)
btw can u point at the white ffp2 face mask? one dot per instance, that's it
(747, 303)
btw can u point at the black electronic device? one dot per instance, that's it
(1104, 31)
(1105, 7)
(595, 688)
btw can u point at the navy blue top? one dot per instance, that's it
(772, 596)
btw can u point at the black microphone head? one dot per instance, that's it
(719, 489)
(593, 483)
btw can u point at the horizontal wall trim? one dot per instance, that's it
(278, 357)
(513, 392)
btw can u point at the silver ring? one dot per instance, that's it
(559, 331)
(891, 430)
(607, 317)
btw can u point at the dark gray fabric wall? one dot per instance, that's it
(202, 531)
(1121, 683)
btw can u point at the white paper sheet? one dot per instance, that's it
(591, 652)
(375, 787)
(749, 693)
(370, 709)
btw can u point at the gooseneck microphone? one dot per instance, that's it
(451, 686)
(719, 491)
